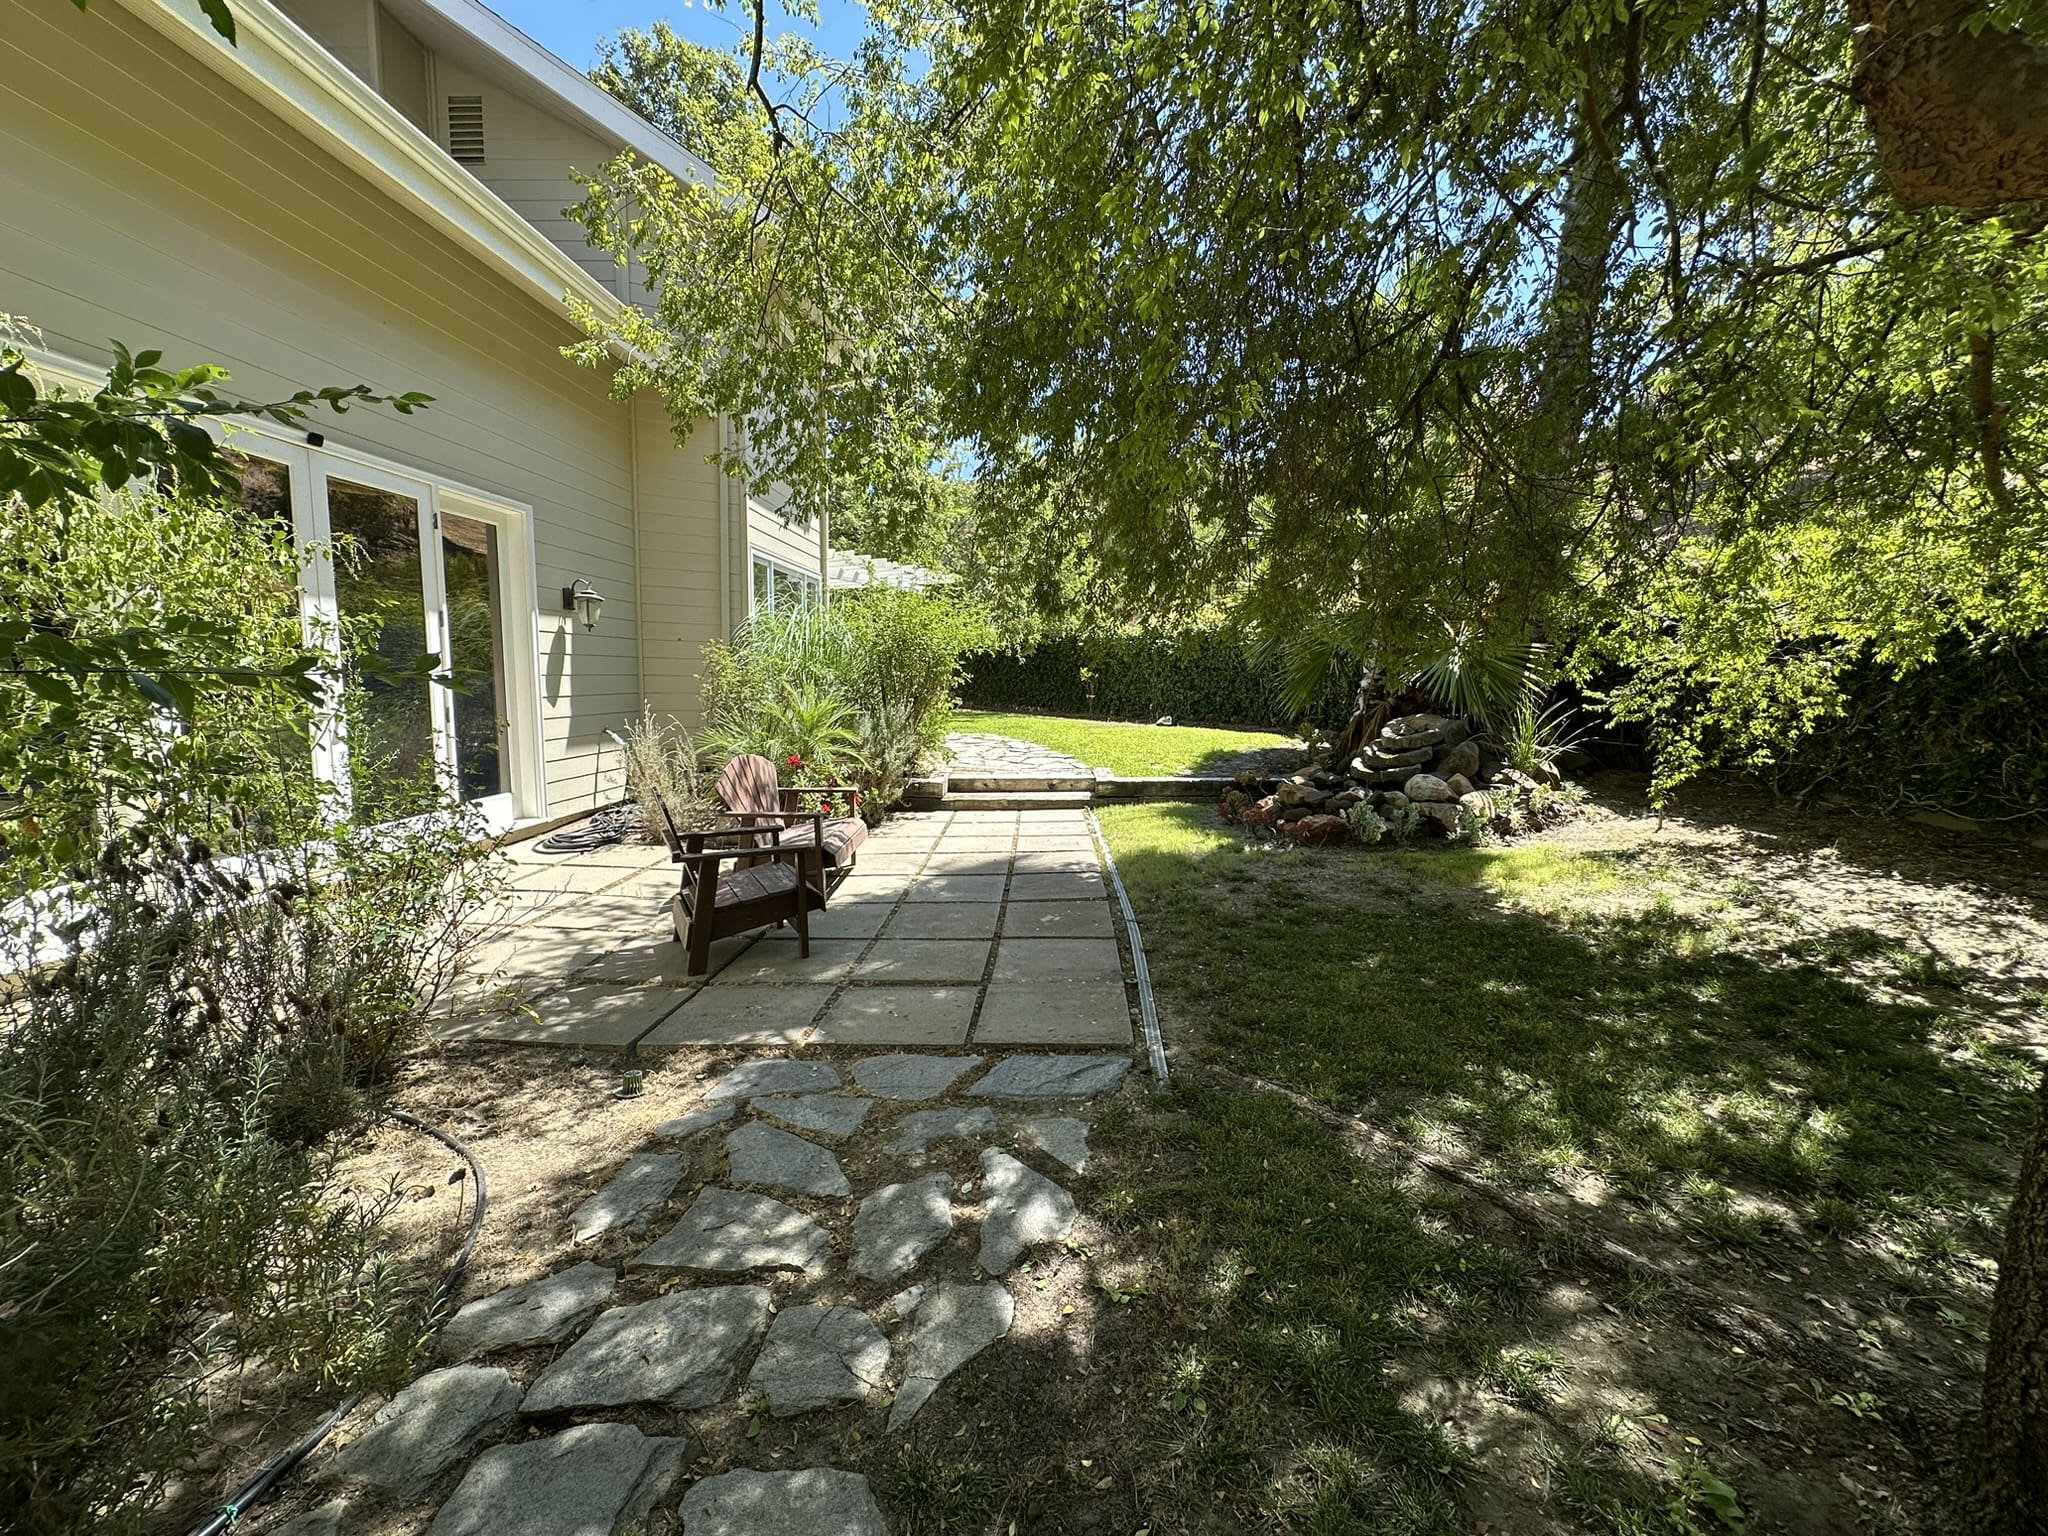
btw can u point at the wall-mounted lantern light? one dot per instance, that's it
(582, 599)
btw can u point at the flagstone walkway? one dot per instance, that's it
(733, 1265)
(982, 927)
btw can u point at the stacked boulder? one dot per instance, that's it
(1430, 763)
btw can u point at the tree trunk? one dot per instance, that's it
(2013, 1491)
(1960, 118)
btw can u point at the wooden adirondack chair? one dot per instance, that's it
(774, 885)
(751, 796)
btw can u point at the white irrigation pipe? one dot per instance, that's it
(1148, 1009)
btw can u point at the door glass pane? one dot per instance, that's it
(267, 507)
(476, 644)
(378, 592)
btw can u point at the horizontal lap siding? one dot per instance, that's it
(146, 202)
(681, 500)
(529, 155)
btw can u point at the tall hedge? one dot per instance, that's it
(1965, 733)
(1204, 675)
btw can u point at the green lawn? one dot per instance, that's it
(1597, 1029)
(1133, 751)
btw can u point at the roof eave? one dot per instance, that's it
(273, 62)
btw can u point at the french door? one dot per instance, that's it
(390, 577)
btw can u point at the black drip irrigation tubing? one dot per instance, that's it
(259, 1487)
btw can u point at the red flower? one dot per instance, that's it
(825, 806)
(795, 761)
(857, 800)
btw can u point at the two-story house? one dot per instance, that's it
(374, 191)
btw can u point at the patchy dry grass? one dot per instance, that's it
(1760, 1075)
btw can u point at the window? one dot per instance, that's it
(779, 587)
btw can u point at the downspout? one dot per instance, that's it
(639, 606)
(726, 533)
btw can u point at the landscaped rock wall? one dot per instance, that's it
(1424, 773)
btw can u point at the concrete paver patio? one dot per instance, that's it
(956, 926)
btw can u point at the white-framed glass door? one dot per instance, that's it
(394, 568)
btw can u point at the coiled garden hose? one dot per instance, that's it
(258, 1488)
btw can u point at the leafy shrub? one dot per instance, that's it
(1367, 825)
(859, 690)
(206, 971)
(662, 771)
(1202, 675)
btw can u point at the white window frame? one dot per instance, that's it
(813, 587)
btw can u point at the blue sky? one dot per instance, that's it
(571, 28)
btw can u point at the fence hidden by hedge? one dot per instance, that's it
(1205, 676)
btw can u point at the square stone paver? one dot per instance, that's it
(963, 960)
(1056, 1013)
(897, 1016)
(955, 888)
(1070, 886)
(855, 920)
(1057, 920)
(1068, 841)
(580, 878)
(573, 1016)
(536, 952)
(948, 862)
(620, 915)
(976, 842)
(890, 863)
(1058, 861)
(858, 887)
(829, 960)
(657, 960)
(943, 920)
(743, 1015)
(1042, 960)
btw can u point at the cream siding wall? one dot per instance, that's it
(144, 202)
(528, 156)
(681, 502)
(346, 28)
(405, 75)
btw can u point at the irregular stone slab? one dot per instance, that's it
(634, 1194)
(324, 1521)
(817, 1502)
(1061, 1137)
(954, 1324)
(825, 1113)
(681, 1350)
(1025, 1208)
(915, 1132)
(702, 1120)
(763, 1155)
(906, 1076)
(430, 1426)
(593, 1480)
(898, 1225)
(1051, 1077)
(732, 1231)
(751, 1079)
(544, 1311)
(819, 1357)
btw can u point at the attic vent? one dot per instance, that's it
(466, 129)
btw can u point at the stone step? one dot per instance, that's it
(991, 781)
(1175, 787)
(1023, 800)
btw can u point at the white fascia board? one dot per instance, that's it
(569, 88)
(279, 66)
